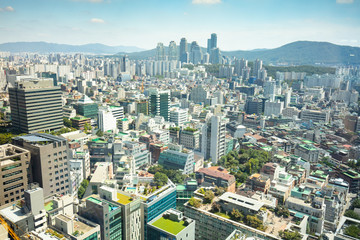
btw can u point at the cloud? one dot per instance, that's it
(7, 9)
(209, 2)
(344, 1)
(97, 20)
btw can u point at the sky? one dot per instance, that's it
(239, 24)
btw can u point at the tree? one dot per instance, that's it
(208, 196)
(100, 133)
(282, 211)
(287, 235)
(67, 122)
(155, 168)
(81, 192)
(237, 215)
(216, 207)
(160, 179)
(353, 231)
(84, 183)
(196, 203)
(352, 214)
(254, 222)
(87, 127)
(356, 203)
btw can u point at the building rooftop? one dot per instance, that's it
(216, 173)
(170, 226)
(123, 199)
(242, 201)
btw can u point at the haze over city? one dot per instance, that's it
(240, 24)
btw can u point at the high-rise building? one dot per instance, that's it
(160, 52)
(215, 56)
(14, 173)
(172, 51)
(49, 161)
(183, 50)
(195, 53)
(178, 116)
(213, 139)
(257, 68)
(159, 104)
(107, 214)
(190, 138)
(212, 42)
(36, 105)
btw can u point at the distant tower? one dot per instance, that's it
(196, 54)
(183, 50)
(172, 51)
(160, 52)
(257, 67)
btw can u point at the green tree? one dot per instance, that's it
(353, 231)
(67, 122)
(81, 192)
(356, 203)
(160, 179)
(254, 222)
(352, 214)
(237, 215)
(99, 133)
(84, 183)
(208, 196)
(282, 211)
(288, 235)
(196, 203)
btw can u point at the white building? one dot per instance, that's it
(213, 139)
(273, 108)
(178, 116)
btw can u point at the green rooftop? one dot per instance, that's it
(98, 140)
(123, 199)
(79, 118)
(49, 206)
(169, 225)
(308, 147)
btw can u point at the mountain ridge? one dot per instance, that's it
(46, 47)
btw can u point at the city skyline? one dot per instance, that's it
(240, 25)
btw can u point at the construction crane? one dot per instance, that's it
(9, 229)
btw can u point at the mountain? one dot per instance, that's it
(303, 52)
(44, 47)
(295, 53)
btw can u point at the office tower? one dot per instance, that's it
(195, 53)
(240, 66)
(159, 104)
(273, 108)
(257, 67)
(160, 52)
(177, 158)
(183, 50)
(213, 139)
(315, 115)
(212, 42)
(171, 225)
(107, 214)
(157, 202)
(106, 121)
(86, 107)
(49, 161)
(215, 56)
(270, 90)
(172, 51)
(14, 173)
(131, 212)
(36, 105)
(206, 58)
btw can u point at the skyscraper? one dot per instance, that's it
(183, 50)
(159, 103)
(257, 68)
(36, 105)
(196, 54)
(160, 52)
(212, 42)
(213, 139)
(172, 51)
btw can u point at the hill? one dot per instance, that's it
(296, 53)
(44, 47)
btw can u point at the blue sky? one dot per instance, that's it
(240, 24)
